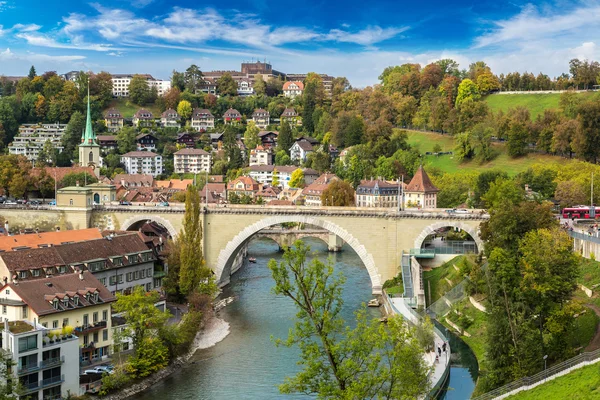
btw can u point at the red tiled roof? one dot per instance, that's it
(143, 114)
(194, 152)
(170, 113)
(201, 113)
(260, 112)
(7, 243)
(60, 172)
(112, 113)
(300, 85)
(421, 182)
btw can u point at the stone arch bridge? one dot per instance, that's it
(378, 236)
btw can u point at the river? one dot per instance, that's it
(247, 364)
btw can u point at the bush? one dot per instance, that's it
(395, 281)
(150, 357)
(188, 328)
(119, 379)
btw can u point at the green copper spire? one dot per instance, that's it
(89, 137)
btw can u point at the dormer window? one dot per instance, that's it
(62, 269)
(96, 296)
(22, 274)
(55, 304)
(118, 261)
(35, 272)
(132, 259)
(66, 302)
(76, 300)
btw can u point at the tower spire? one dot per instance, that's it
(88, 137)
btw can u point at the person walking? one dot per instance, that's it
(439, 351)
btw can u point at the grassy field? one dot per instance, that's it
(425, 141)
(589, 272)
(581, 384)
(128, 109)
(536, 103)
(474, 322)
(436, 278)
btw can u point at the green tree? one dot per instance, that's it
(178, 80)
(72, 136)
(275, 181)
(339, 193)
(464, 149)
(46, 155)
(467, 90)
(517, 139)
(151, 357)
(226, 85)
(45, 184)
(32, 73)
(260, 86)
(126, 139)
(369, 361)
(297, 179)
(588, 135)
(142, 316)
(193, 78)
(139, 91)
(285, 139)
(570, 193)
(193, 274)
(251, 139)
(310, 99)
(74, 177)
(184, 109)
(282, 158)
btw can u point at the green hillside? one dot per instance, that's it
(128, 109)
(447, 163)
(536, 103)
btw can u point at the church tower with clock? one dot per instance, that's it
(89, 149)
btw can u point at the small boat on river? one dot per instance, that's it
(251, 259)
(373, 303)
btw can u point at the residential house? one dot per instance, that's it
(208, 86)
(232, 116)
(291, 195)
(107, 143)
(142, 162)
(261, 118)
(146, 142)
(420, 192)
(192, 161)
(261, 156)
(268, 139)
(293, 89)
(169, 119)
(290, 116)
(46, 367)
(46, 239)
(268, 193)
(264, 174)
(300, 150)
(32, 137)
(215, 192)
(377, 193)
(202, 120)
(186, 139)
(245, 88)
(113, 120)
(143, 119)
(71, 299)
(134, 180)
(327, 81)
(243, 186)
(312, 193)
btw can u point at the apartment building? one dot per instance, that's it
(300, 150)
(245, 88)
(243, 186)
(232, 116)
(192, 161)
(312, 193)
(32, 137)
(261, 156)
(377, 193)
(146, 142)
(78, 300)
(261, 118)
(202, 120)
(169, 119)
(327, 81)
(143, 119)
(113, 120)
(121, 84)
(46, 361)
(264, 174)
(290, 116)
(142, 162)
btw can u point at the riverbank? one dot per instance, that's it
(212, 332)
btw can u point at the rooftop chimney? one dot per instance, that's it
(81, 276)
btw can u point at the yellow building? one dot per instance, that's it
(78, 300)
(102, 193)
(74, 196)
(420, 192)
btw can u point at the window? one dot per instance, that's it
(105, 334)
(35, 272)
(65, 321)
(103, 281)
(70, 202)
(129, 276)
(28, 343)
(132, 259)
(86, 319)
(136, 275)
(62, 269)
(3, 309)
(22, 274)
(24, 312)
(85, 340)
(95, 317)
(45, 324)
(66, 302)
(149, 272)
(120, 278)
(148, 287)
(76, 300)
(104, 315)
(96, 337)
(7, 292)
(112, 280)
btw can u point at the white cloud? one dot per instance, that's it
(46, 41)
(9, 55)
(365, 37)
(3, 5)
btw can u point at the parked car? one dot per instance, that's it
(52, 203)
(125, 203)
(101, 369)
(21, 201)
(35, 203)
(163, 204)
(105, 368)
(11, 202)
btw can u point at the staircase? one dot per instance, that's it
(407, 276)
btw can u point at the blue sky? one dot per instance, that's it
(351, 38)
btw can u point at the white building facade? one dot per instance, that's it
(192, 161)
(121, 84)
(32, 138)
(142, 162)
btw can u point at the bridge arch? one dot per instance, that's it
(226, 255)
(154, 218)
(452, 224)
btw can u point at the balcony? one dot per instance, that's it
(31, 387)
(84, 329)
(51, 362)
(55, 380)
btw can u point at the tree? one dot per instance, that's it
(72, 136)
(464, 149)
(126, 139)
(142, 316)
(251, 139)
(467, 90)
(226, 85)
(193, 78)
(282, 158)
(101, 86)
(139, 91)
(285, 140)
(449, 67)
(339, 193)
(570, 193)
(588, 133)
(46, 156)
(32, 73)
(184, 109)
(487, 82)
(194, 275)
(260, 86)
(369, 361)
(297, 179)
(311, 98)
(77, 177)
(517, 139)
(178, 80)
(275, 181)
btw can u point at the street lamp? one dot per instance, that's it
(545, 361)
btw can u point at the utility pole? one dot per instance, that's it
(592, 208)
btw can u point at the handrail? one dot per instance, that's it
(583, 236)
(540, 376)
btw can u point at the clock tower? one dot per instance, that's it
(89, 149)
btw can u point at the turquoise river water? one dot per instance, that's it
(247, 364)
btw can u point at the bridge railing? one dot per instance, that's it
(552, 372)
(584, 236)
